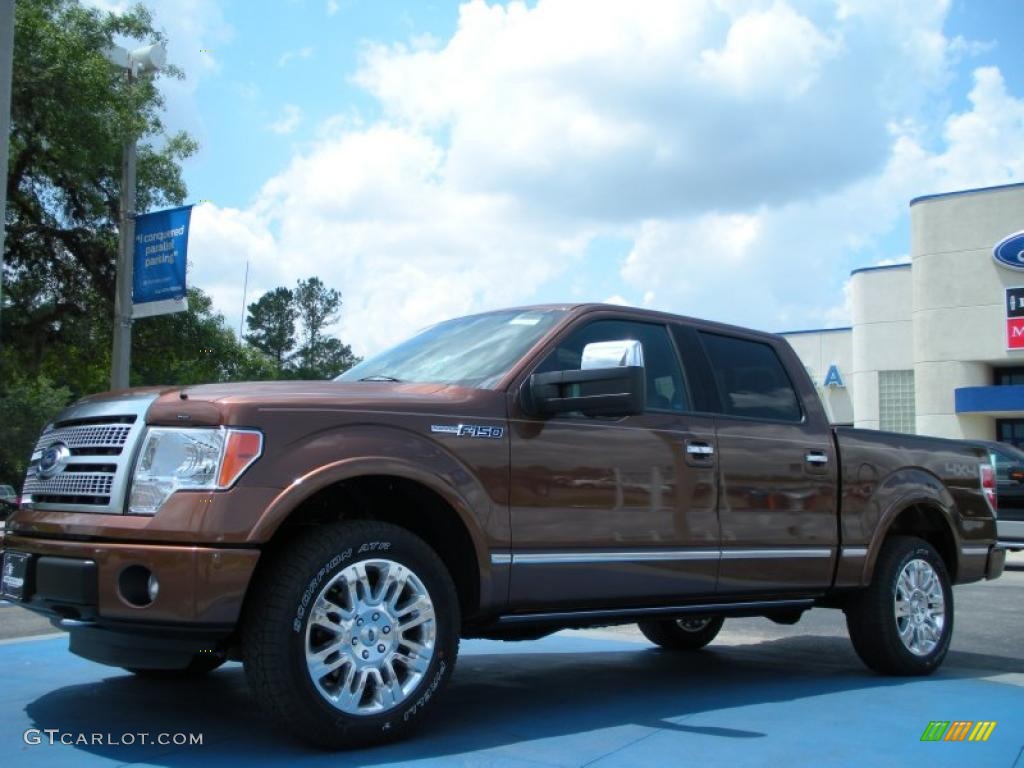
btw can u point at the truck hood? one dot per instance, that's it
(238, 402)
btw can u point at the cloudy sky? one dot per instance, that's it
(720, 158)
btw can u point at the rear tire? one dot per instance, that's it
(682, 634)
(351, 633)
(903, 622)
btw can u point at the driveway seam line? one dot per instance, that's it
(625, 746)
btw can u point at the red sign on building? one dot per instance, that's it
(1015, 333)
(1015, 318)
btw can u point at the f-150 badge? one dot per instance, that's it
(468, 430)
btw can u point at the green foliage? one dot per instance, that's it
(272, 324)
(317, 306)
(272, 330)
(27, 403)
(71, 112)
(325, 359)
(192, 347)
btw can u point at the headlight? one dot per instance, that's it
(181, 459)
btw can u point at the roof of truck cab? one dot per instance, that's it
(587, 307)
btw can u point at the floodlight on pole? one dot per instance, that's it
(145, 60)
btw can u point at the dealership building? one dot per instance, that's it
(937, 345)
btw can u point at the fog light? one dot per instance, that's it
(137, 585)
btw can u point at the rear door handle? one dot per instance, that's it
(700, 454)
(816, 458)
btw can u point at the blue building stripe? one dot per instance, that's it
(989, 399)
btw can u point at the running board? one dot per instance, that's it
(625, 615)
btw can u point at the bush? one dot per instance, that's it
(27, 403)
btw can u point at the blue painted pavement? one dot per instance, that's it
(568, 700)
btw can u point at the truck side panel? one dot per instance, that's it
(883, 475)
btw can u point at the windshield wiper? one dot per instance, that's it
(380, 378)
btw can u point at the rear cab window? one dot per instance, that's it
(750, 378)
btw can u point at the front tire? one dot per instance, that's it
(689, 634)
(903, 622)
(351, 633)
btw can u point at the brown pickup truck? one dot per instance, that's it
(504, 475)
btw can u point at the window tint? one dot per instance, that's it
(666, 390)
(750, 378)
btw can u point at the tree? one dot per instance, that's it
(326, 359)
(317, 307)
(193, 347)
(26, 404)
(70, 114)
(272, 324)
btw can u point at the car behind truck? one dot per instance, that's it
(504, 475)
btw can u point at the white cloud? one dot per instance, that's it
(753, 152)
(289, 56)
(774, 52)
(786, 276)
(332, 7)
(289, 120)
(196, 34)
(689, 107)
(987, 143)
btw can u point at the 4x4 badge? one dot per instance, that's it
(468, 430)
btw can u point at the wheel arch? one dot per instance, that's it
(924, 517)
(391, 491)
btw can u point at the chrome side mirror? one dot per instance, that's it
(612, 354)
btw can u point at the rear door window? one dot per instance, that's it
(751, 379)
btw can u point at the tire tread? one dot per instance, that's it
(266, 635)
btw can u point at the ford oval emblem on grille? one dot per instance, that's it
(53, 460)
(1009, 251)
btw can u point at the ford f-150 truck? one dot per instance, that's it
(504, 475)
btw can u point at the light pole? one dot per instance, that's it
(6, 64)
(142, 60)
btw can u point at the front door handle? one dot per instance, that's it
(816, 458)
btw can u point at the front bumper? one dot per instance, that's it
(85, 581)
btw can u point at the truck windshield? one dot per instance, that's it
(473, 351)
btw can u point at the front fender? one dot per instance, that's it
(317, 461)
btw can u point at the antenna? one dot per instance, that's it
(245, 290)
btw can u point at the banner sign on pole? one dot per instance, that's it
(158, 271)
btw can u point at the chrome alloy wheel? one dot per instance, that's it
(920, 607)
(370, 637)
(693, 625)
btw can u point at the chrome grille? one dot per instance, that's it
(71, 484)
(96, 441)
(87, 436)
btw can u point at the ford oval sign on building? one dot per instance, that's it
(1010, 251)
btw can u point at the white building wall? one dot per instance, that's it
(942, 316)
(958, 295)
(819, 350)
(882, 337)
